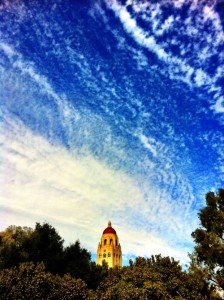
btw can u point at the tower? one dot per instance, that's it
(109, 249)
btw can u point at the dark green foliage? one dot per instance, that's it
(22, 244)
(97, 274)
(30, 281)
(156, 278)
(45, 245)
(77, 261)
(13, 246)
(209, 238)
(199, 274)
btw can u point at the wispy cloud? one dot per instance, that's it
(79, 195)
(27, 69)
(67, 113)
(148, 144)
(119, 154)
(178, 66)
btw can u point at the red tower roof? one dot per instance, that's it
(109, 229)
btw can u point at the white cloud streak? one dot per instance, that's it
(79, 195)
(49, 183)
(179, 67)
(67, 113)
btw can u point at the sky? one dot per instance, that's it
(111, 110)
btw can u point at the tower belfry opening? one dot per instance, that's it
(109, 248)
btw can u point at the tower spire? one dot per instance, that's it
(109, 223)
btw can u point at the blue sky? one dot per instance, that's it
(112, 110)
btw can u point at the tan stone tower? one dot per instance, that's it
(109, 248)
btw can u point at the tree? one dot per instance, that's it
(13, 245)
(23, 244)
(31, 281)
(45, 245)
(198, 274)
(209, 238)
(77, 261)
(156, 278)
(97, 274)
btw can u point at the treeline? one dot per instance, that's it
(44, 244)
(34, 264)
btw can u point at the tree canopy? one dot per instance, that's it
(34, 264)
(150, 278)
(209, 238)
(12, 246)
(43, 244)
(32, 281)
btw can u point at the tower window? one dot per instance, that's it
(105, 241)
(104, 255)
(111, 241)
(109, 255)
(100, 255)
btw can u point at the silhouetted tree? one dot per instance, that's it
(45, 245)
(77, 261)
(97, 274)
(209, 238)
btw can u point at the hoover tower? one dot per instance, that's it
(109, 248)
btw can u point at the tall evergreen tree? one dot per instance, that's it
(45, 245)
(77, 261)
(209, 238)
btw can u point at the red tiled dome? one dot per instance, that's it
(109, 229)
